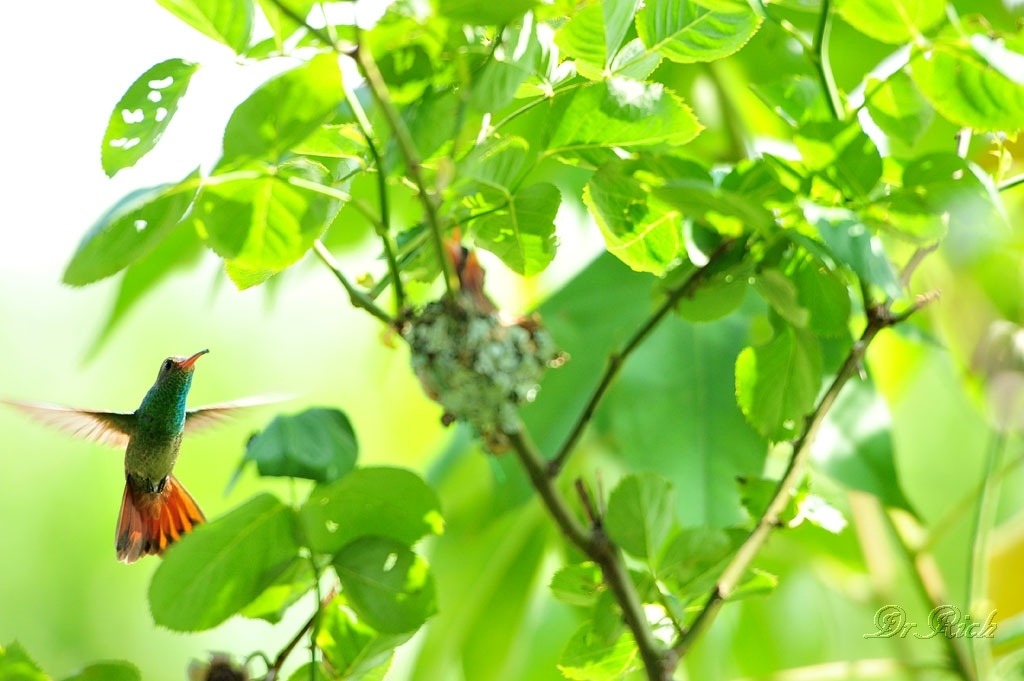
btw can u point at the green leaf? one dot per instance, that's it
(939, 192)
(624, 113)
(854, 246)
(781, 293)
(717, 296)
(226, 21)
(523, 233)
(892, 21)
(143, 113)
(334, 141)
(16, 665)
(388, 586)
(965, 88)
(825, 296)
(130, 230)
(843, 153)
(484, 13)
(104, 671)
(223, 565)
(641, 513)
(292, 584)
(387, 502)
(635, 61)
(578, 584)
(589, 656)
(898, 108)
(693, 559)
(686, 31)
(583, 39)
(264, 222)
(618, 15)
(284, 111)
(795, 100)
(639, 230)
(512, 62)
(855, 445)
(318, 444)
(776, 384)
(354, 649)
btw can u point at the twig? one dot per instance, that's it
(289, 647)
(1011, 182)
(282, 657)
(383, 226)
(929, 582)
(588, 505)
(358, 298)
(822, 61)
(977, 569)
(879, 317)
(616, 360)
(599, 548)
(411, 155)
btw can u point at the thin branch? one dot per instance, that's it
(282, 657)
(929, 582)
(412, 161)
(879, 317)
(599, 548)
(977, 569)
(1011, 182)
(822, 61)
(616, 360)
(358, 298)
(383, 226)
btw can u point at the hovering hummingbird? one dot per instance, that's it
(156, 509)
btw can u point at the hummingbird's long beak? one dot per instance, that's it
(187, 364)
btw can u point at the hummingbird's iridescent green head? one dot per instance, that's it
(165, 401)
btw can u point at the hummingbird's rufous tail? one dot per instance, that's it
(151, 521)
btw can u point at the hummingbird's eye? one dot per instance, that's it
(167, 364)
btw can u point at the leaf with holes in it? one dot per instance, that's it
(776, 383)
(223, 565)
(686, 31)
(523, 233)
(131, 229)
(143, 113)
(387, 502)
(388, 586)
(226, 21)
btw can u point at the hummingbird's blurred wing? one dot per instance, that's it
(202, 418)
(106, 427)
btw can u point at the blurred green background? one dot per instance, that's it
(66, 599)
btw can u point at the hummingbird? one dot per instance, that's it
(156, 509)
